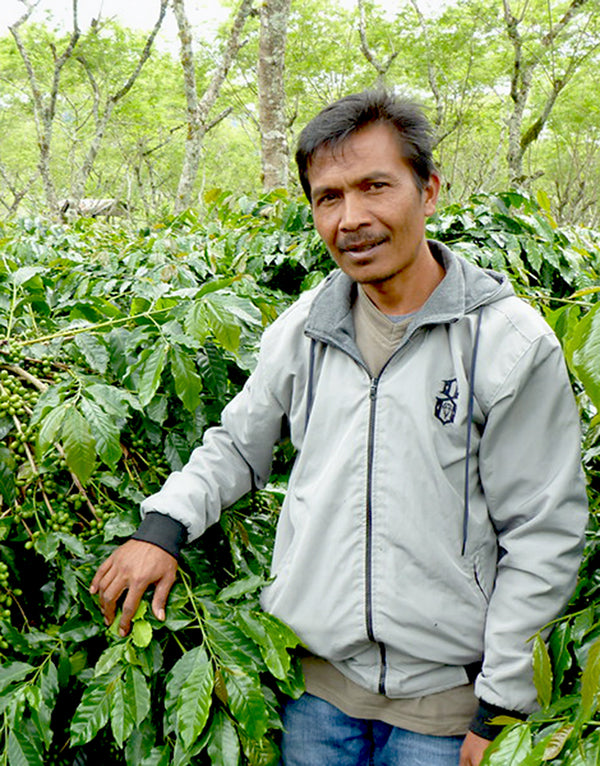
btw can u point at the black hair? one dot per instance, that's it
(334, 124)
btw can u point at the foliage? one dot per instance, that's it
(119, 348)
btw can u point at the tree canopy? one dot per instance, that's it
(106, 112)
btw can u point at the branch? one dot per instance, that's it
(233, 46)
(95, 89)
(213, 123)
(381, 67)
(29, 8)
(568, 16)
(431, 73)
(144, 54)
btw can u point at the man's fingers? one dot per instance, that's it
(133, 568)
(110, 593)
(102, 570)
(130, 607)
(161, 594)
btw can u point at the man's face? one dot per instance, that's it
(368, 208)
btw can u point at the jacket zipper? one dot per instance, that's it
(369, 540)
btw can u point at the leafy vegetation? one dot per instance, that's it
(119, 347)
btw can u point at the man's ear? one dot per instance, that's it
(431, 192)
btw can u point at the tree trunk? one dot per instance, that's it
(198, 108)
(44, 106)
(271, 93)
(523, 68)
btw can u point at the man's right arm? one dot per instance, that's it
(233, 458)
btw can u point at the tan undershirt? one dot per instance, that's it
(444, 713)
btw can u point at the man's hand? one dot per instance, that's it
(132, 568)
(472, 750)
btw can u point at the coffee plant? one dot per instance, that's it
(117, 349)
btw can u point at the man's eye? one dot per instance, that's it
(325, 198)
(377, 185)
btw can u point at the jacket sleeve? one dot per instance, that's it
(233, 458)
(530, 470)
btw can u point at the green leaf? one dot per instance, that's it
(195, 322)
(195, 659)
(49, 684)
(23, 750)
(262, 752)
(50, 427)
(223, 742)
(22, 275)
(93, 711)
(140, 743)
(587, 752)
(195, 697)
(72, 544)
(78, 444)
(130, 704)
(510, 747)
(188, 383)
(583, 353)
(559, 642)
(114, 401)
(271, 645)
(94, 352)
(293, 684)
(141, 633)
(222, 323)
(241, 587)
(46, 544)
(104, 431)
(7, 475)
(246, 701)
(542, 672)
(231, 645)
(109, 658)
(13, 672)
(151, 368)
(590, 681)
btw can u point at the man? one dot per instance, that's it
(436, 509)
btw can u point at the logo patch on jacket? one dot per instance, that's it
(445, 403)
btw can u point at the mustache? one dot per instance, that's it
(359, 241)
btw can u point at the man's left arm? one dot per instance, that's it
(530, 469)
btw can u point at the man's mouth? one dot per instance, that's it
(361, 246)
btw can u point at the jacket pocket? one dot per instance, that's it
(481, 580)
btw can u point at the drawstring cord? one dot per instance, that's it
(469, 429)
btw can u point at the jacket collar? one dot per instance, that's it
(464, 288)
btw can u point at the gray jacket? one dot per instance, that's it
(389, 562)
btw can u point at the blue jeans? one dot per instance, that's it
(318, 734)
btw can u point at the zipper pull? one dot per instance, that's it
(373, 391)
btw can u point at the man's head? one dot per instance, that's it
(337, 122)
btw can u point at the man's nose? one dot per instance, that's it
(354, 213)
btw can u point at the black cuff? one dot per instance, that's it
(481, 725)
(158, 529)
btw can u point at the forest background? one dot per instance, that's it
(151, 226)
(98, 110)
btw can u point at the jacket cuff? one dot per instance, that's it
(158, 529)
(480, 723)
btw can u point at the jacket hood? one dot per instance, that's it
(464, 289)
